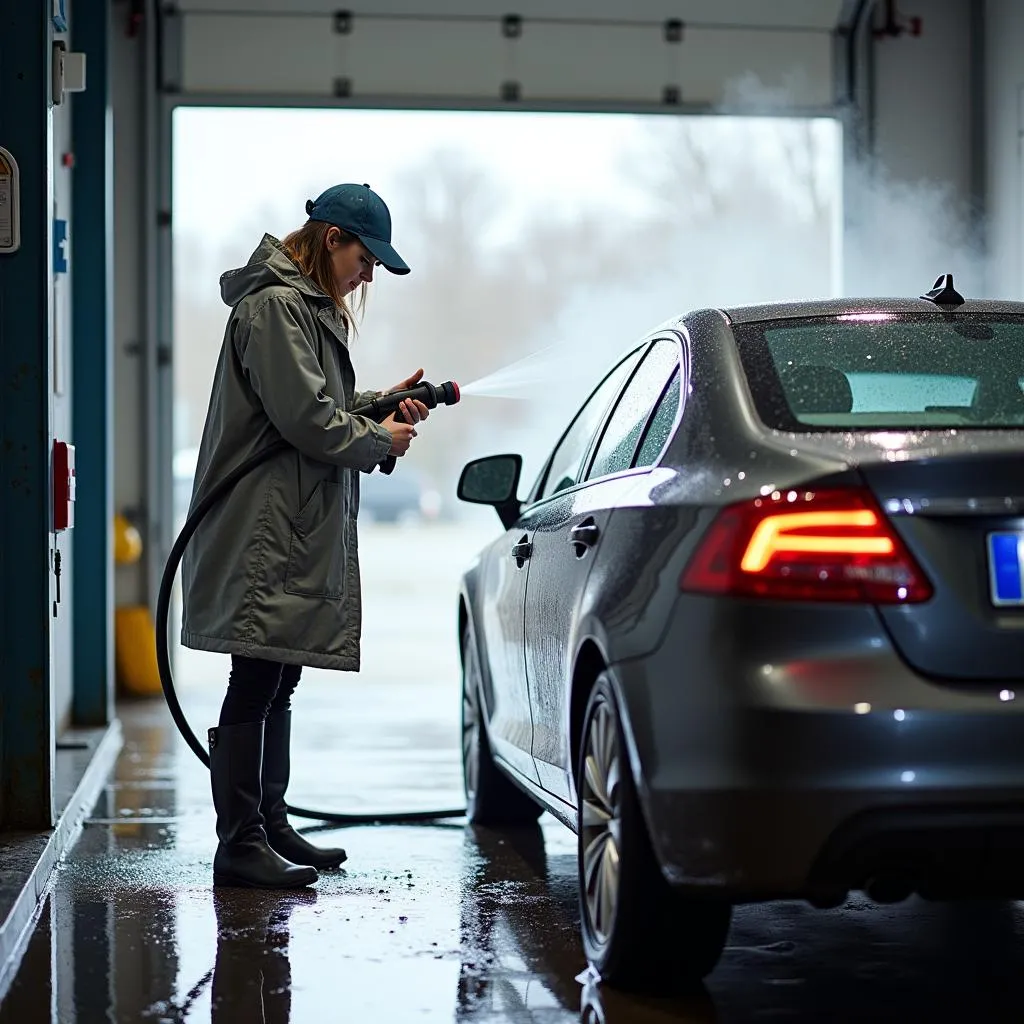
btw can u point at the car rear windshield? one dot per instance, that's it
(873, 371)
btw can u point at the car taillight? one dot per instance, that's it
(833, 545)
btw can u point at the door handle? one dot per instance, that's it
(583, 536)
(586, 533)
(521, 552)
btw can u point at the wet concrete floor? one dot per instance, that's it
(429, 923)
(442, 923)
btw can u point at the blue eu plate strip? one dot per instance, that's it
(1006, 567)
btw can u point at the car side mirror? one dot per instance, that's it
(494, 481)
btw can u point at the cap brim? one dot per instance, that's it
(384, 252)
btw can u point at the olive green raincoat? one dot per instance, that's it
(273, 570)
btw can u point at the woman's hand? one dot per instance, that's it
(401, 435)
(413, 410)
(409, 382)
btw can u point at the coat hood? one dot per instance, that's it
(268, 265)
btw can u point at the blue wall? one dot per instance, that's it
(93, 370)
(26, 694)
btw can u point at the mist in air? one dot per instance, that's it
(524, 294)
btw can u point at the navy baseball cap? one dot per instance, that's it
(358, 210)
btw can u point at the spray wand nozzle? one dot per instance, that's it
(430, 395)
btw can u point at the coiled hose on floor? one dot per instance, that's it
(376, 410)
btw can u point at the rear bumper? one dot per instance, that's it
(822, 845)
(765, 777)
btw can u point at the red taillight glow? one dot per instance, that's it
(812, 545)
(793, 532)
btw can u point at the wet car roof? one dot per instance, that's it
(840, 307)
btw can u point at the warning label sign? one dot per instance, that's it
(9, 203)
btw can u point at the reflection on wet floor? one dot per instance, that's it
(445, 923)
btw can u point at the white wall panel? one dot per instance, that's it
(923, 109)
(912, 209)
(1005, 145)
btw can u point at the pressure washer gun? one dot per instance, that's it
(430, 395)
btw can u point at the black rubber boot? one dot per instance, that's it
(282, 837)
(243, 856)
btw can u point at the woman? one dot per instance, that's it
(271, 577)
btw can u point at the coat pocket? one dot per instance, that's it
(317, 560)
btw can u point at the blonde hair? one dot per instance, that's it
(307, 248)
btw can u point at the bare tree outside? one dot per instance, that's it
(745, 210)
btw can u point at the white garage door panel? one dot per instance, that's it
(807, 13)
(240, 54)
(629, 66)
(300, 58)
(794, 68)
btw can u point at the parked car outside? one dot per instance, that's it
(403, 496)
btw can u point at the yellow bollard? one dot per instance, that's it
(134, 632)
(135, 652)
(127, 542)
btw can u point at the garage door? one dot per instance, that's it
(575, 54)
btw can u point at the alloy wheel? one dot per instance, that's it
(601, 824)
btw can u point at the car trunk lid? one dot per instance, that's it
(961, 515)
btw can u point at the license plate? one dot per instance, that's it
(1006, 568)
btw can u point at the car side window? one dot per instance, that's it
(626, 423)
(568, 457)
(660, 425)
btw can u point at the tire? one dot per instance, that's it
(637, 931)
(491, 797)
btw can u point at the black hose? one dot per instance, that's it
(163, 604)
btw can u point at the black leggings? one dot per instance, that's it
(258, 688)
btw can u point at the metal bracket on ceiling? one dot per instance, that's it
(512, 26)
(896, 24)
(672, 30)
(169, 36)
(134, 20)
(342, 86)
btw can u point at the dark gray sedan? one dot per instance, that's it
(757, 630)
